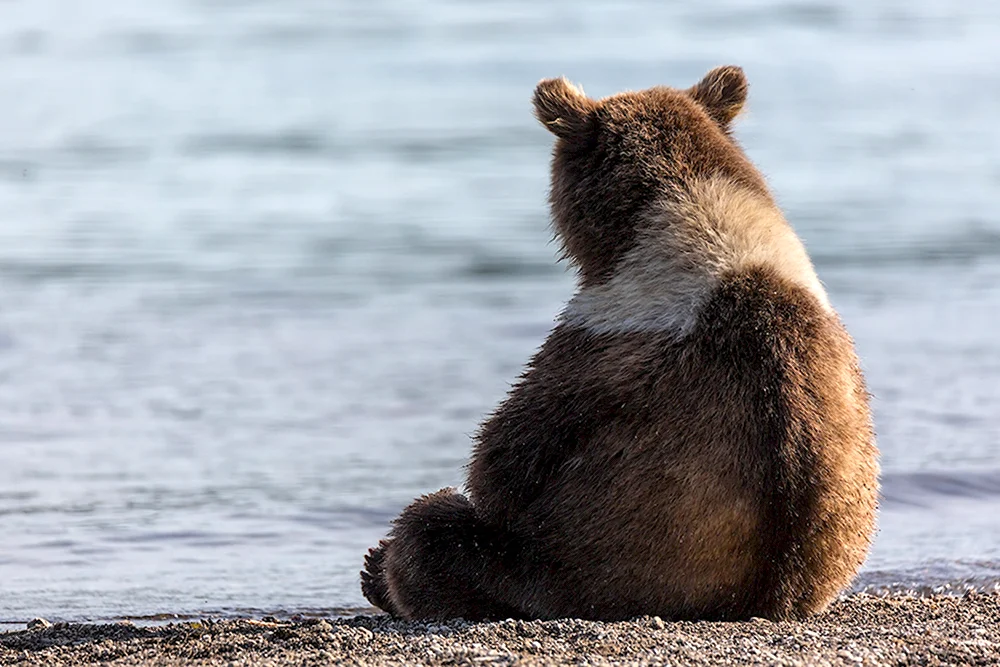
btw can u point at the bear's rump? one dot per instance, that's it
(682, 540)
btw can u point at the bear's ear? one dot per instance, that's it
(722, 92)
(563, 108)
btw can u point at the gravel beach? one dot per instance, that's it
(861, 629)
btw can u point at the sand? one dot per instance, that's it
(861, 629)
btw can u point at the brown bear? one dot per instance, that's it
(693, 440)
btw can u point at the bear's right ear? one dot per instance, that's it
(722, 92)
(563, 108)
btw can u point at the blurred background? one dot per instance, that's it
(264, 267)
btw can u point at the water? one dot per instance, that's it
(264, 266)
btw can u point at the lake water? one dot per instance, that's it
(264, 267)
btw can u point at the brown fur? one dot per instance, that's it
(714, 463)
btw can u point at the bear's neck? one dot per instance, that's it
(715, 230)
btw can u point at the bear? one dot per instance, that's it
(693, 440)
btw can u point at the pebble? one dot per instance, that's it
(38, 624)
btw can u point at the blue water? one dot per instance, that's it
(265, 266)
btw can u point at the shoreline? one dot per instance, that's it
(858, 629)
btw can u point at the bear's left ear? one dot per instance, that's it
(563, 109)
(722, 92)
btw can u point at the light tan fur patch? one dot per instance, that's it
(713, 230)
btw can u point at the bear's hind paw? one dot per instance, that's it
(373, 583)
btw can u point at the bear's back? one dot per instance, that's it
(710, 477)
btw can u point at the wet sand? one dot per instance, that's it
(861, 629)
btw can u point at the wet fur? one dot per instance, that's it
(693, 440)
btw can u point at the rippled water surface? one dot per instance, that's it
(264, 266)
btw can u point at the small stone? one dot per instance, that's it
(657, 623)
(38, 624)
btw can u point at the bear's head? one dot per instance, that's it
(618, 157)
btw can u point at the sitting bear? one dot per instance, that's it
(693, 440)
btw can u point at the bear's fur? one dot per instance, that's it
(693, 440)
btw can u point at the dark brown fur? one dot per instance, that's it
(726, 475)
